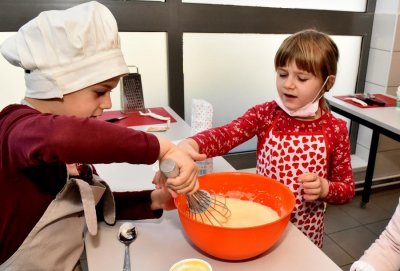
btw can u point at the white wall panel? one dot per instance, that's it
(387, 6)
(148, 51)
(12, 79)
(344, 5)
(383, 31)
(236, 71)
(379, 66)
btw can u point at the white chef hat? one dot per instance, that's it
(63, 51)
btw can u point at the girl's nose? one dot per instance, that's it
(289, 82)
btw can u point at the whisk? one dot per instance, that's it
(202, 205)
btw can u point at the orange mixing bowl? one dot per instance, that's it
(239, 243)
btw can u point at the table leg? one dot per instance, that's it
(369, 174)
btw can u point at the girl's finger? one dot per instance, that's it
(312, 191)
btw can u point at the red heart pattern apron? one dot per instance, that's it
(286, 155)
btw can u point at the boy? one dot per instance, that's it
(48, 188)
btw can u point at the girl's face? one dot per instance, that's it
(88, 102)
(296, 87)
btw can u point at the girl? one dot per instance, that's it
(49, 192)
(300, 143)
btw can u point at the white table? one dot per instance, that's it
(382, 120)
(162, 242)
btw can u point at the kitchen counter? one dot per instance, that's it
(162, 242)
(381, 120)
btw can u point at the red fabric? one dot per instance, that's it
(135, 119)
(257, 122)
(286, 155)
(390, 102)
(34, 149)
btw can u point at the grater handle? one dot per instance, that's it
(133, 66)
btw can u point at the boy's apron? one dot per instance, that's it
(284, 156)
(57, 242)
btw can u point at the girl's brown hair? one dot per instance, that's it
(312, 51)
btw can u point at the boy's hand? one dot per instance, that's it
(186, 182)
(159, 181)
(161, 197)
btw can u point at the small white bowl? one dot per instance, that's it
(191, 265)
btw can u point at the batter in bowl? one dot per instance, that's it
(244, 213)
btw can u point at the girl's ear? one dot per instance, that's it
(331, 81)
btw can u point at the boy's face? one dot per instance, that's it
(90, 101)
(296, 87)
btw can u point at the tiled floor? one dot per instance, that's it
(350, 229)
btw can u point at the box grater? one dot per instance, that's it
(132, 93)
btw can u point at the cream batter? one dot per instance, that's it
(244, 213)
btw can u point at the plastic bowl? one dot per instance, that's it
(239, 243)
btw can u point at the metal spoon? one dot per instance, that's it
(127, 234)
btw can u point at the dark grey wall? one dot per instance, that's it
(175, 18)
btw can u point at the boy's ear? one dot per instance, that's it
(331, 81)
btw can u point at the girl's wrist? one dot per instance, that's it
(325, 188)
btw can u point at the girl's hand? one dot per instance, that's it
(186, 182)
(191, 147)
(314, 187)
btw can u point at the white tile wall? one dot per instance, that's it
(378, 66)
(364, 136)
(383, 31)
(374, 88)
(362, 152)
(383, 76)
(387, 6)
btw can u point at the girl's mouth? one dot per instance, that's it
(289, 96)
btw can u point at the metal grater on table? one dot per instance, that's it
(132, 93)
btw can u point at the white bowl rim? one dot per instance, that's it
(191, 260)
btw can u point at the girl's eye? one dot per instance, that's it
(301, 79)
(282, 75)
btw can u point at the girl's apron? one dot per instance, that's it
(286, 155)
(57, 242)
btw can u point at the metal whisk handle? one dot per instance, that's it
(199, 201)
(201, 204)
(168, 168)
